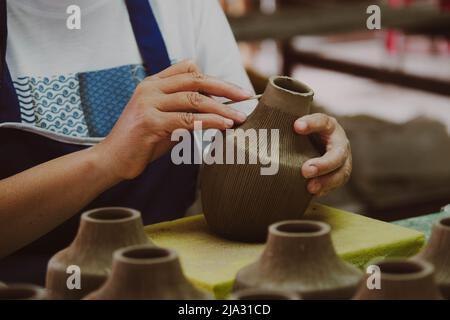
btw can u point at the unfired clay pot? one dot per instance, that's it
(22, 292)
(147, 273)
(437, 252)
(264, 294)
(239, 202)
(101, 232)
(300, 257)
(401, 279)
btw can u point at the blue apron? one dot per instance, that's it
(162, 192)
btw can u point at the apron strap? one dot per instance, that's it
(148, 36)
(3, 37)
(9, 103)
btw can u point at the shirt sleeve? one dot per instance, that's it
(217, 53)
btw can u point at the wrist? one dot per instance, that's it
(102, 166)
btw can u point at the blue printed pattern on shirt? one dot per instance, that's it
(85, 104)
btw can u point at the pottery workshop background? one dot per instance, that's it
(389, 88)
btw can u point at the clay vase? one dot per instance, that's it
(401, 279)
(22, 292)
(264, 294)
(437, 252)
(239, 202)
(101, 232)
(147, 273)
(300, 257)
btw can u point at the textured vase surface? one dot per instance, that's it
(239, 202)
(299, 257)
(401, 279)
(101, 232)
(437, 252)
(147, 273)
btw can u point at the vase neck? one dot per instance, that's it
(439, 243)
(146, 276)
(287, 95)
(91, 233)
(410, 288)
(298, 251)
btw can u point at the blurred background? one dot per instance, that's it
(389, 88)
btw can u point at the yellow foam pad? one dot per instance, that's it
(212, 262)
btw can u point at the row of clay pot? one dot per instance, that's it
(116, 260)
(299, 257)
(31, 292)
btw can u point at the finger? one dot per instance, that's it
(316, 122)
(185, 66)
(324, 184)
(196, 102)
(333, 159)
(191, 121)
(198, 82)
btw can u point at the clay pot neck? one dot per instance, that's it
(403, 270)
(439, 243)
(141, 265)
(103, 225)
(408, 279)
(414, 277)
(298, 244)
(288, 95)
(22, 292)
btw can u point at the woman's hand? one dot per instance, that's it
(333, 169)
(162, 103)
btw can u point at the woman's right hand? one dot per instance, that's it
(162, 103)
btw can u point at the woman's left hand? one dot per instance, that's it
(333, 169)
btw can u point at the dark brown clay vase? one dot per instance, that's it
(239, 202)
(147, 273)
(300, 257)
(400, 279)
(22, 292)
(437, 252)
(101, 232)
(264, 294)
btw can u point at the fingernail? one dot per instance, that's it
(316, 187)
(311, 171)
(241, 116)
(301, 125)
(228, 123)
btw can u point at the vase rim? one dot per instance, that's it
(116, 214)
(306, 91)
(405, 269)
(20, 291)
(444, 223)
(299, 228)
(145, 254)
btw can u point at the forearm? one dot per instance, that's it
(37, 200)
